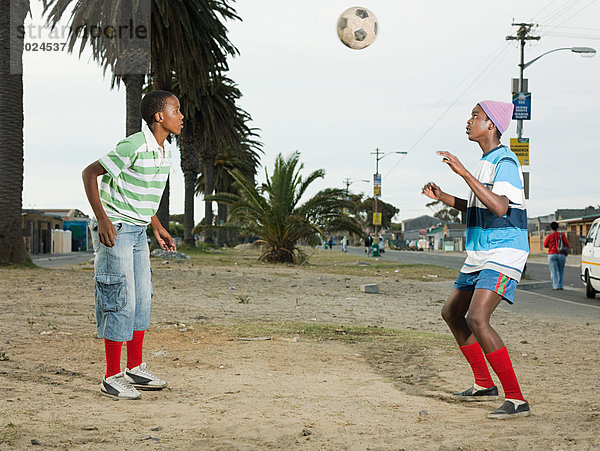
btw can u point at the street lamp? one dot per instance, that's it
(586, 52)
(349, 182)
(377, 184)
(383, 154)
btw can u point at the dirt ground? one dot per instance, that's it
(262, 356)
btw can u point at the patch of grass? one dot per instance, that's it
(329, 262)
(202, 248)
(352, 265)
(4, 357)
(317, 331)
(243, 299)
(223, 257)
(9, 433)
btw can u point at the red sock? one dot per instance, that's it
(113, 357)
(474, 355)
(502, 366)
(134, 349)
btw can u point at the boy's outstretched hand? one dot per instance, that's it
(164, 239)
(432, 190)
(452, 161)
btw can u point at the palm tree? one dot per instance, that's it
(214, 121)
(275, 214)
(187, 39)
(12, 247)
(189, 46)
(244, 157)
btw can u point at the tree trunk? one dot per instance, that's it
(163, 213)
(222, 219)
(133, 92)
(163, 208)
(190, 178)
(190, 165)
(209, 186)
(12, 247)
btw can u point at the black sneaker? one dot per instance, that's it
(510, 410)
(118, 387)
(473, 394)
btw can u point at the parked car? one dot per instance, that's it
(590, 261)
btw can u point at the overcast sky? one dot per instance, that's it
(412, 90)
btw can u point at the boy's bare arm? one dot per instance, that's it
(433, 191)
(106, 230)
(495, 203)
(163, 237)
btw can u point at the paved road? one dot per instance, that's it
(56, 260)
(539, 299)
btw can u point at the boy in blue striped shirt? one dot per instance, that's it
(497, 250)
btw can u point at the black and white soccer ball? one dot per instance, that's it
(357, 27)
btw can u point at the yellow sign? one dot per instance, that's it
(520, 146)
(377, 191)
(376, 218)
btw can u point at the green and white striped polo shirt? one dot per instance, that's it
(137, 171)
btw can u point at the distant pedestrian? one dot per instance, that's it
(330, 242)
(556, 259)
(368, 243)
(345, 244)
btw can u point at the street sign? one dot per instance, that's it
(522, 103)
(376, 218)
(520, 146)
(376, 185)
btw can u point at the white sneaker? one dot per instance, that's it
(143, 379)
(118, 387)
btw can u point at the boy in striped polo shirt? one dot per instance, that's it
(497, 250)
(133, 177)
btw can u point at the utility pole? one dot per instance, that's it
(347, 182)
(376, 189)
(523, 35)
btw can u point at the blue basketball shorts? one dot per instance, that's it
(487, 279)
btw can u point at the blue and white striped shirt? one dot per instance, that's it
(497, 243)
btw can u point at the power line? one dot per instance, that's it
(411, 126)
(569, 17)
(572, 35)
(561, 10)
(542, 10)
(431, 127)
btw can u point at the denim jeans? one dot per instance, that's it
(123, 282)
(556, 262)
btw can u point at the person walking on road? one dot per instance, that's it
(368, 243)
(556, 259)
(497, 249)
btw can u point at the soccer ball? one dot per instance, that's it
(357, 28)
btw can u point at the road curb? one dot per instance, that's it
(534, 285)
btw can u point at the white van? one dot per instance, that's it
(590, 261)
